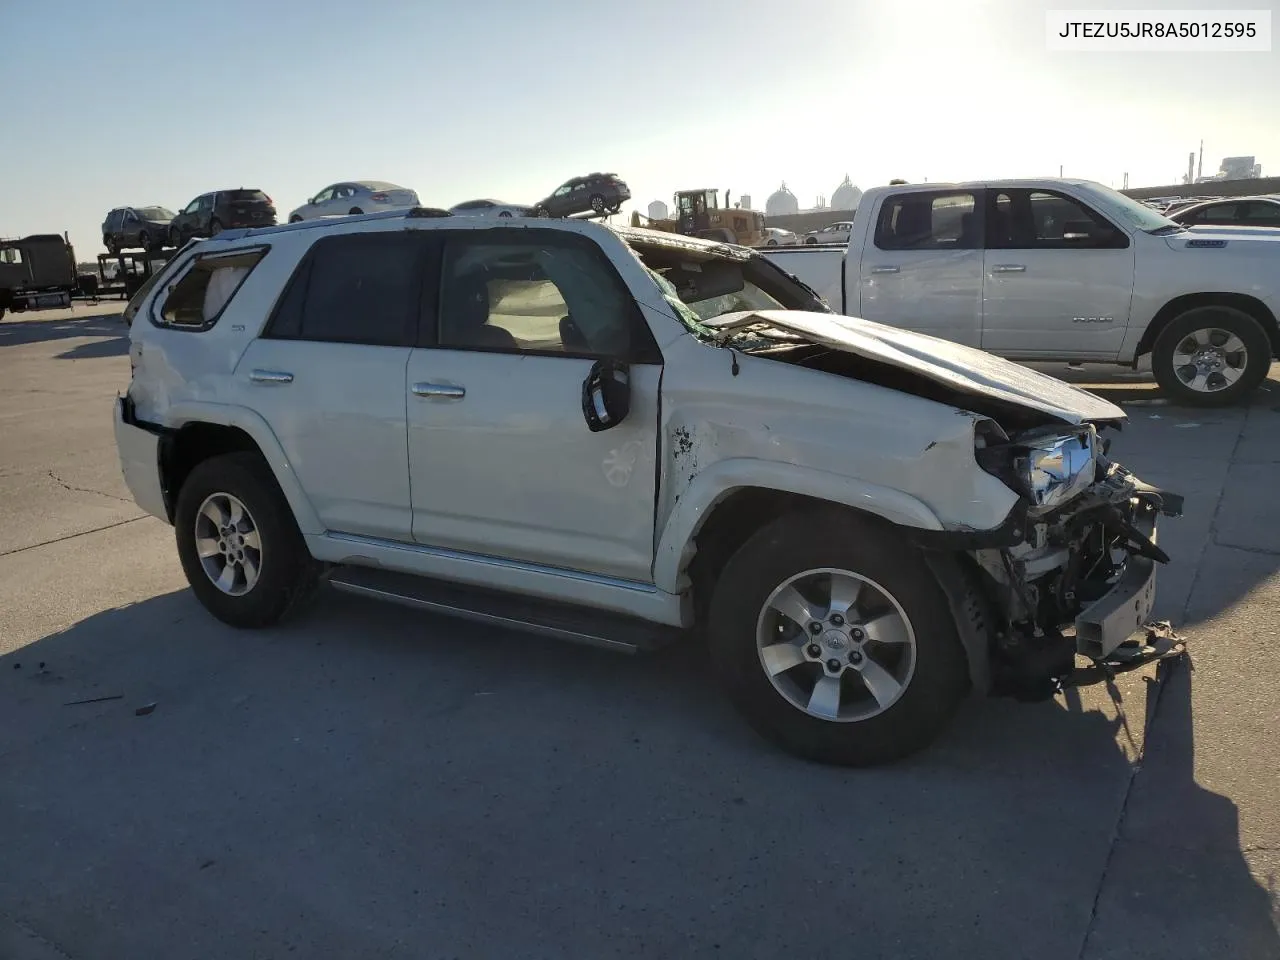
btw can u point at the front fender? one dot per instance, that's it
(717, 481)
(229, 415)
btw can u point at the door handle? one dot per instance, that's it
(1009, 268)
(270, 376)
(884, 269)
(445, 391)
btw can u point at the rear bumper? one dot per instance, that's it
(139, 452)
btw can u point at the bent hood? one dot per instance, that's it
(964, 369)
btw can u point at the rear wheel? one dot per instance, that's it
(1211, 356)
(239, 545)
(834, 640)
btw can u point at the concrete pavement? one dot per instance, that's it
(372, 782)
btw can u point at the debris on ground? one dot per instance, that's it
(145, 709)
(114, 696)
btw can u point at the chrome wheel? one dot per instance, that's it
(836, 645)
(228, 544)
(1210, 360)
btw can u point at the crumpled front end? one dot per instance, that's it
(1081, 577)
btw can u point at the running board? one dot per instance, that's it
(597, 628)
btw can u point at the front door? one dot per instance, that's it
(1058, 278)
(328, 375)
(923, 268)
(501, 460)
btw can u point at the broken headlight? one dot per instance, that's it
(1047, 470)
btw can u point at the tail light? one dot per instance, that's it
(379, 196)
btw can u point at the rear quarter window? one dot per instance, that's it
(198, 298)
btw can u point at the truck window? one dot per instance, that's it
(929, 221)
(1044, 220)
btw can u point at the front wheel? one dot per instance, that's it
(772, 243)
(295, 219)
(811, 240)
(215, 228)
(597, 203)
(355, 212)
(1211, 356)
(240, 548)
(833, 638)
(541, 211)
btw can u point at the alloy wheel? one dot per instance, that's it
(228, 544)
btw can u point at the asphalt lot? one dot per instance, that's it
(373, 782)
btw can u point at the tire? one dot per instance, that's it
(928, 666)
(1230, 343)
(597, 203)
(811, 240)
(175, 238)
(541, 211)
(286, 572)
(215, 227)
(355, 212)
(772, 243)
(110, 244)
(295, 219)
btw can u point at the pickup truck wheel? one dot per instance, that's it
(834, 640)
(239, 545)
(1211, 356)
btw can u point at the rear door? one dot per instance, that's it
(328, 375)
(1058, 278)
(1259, 213)
(922, 269)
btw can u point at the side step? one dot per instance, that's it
(597, 628)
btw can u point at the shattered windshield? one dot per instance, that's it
(703, 283)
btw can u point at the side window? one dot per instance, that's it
(1259, 213)
(193, 206)
(557, 294)
(1040, 220)
(354, 288)
(325, 194)
(113, 221)
(206, 202)
(562, 191)
(929, 221)
(1219, 213)
(199, 296)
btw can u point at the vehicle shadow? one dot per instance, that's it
(18, 332)
(370, 776)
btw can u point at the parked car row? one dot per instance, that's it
(155, 227)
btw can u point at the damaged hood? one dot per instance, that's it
(964, 369)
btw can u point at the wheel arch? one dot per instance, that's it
(765, 486)
(1179, 305)
(214, 429)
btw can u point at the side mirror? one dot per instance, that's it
(606, 395)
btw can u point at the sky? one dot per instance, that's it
(138, 102)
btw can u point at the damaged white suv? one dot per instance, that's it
(623, 437)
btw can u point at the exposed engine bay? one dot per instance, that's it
(1081, 582)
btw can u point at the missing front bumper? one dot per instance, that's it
(1120, 613)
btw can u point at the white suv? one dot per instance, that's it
(616, 436)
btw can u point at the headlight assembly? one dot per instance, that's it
(1049, 470)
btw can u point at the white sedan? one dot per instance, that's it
(490, 208)
(777, 237)
(355, 197)
(831, 233)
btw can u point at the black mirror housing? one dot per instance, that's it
(606, 395)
